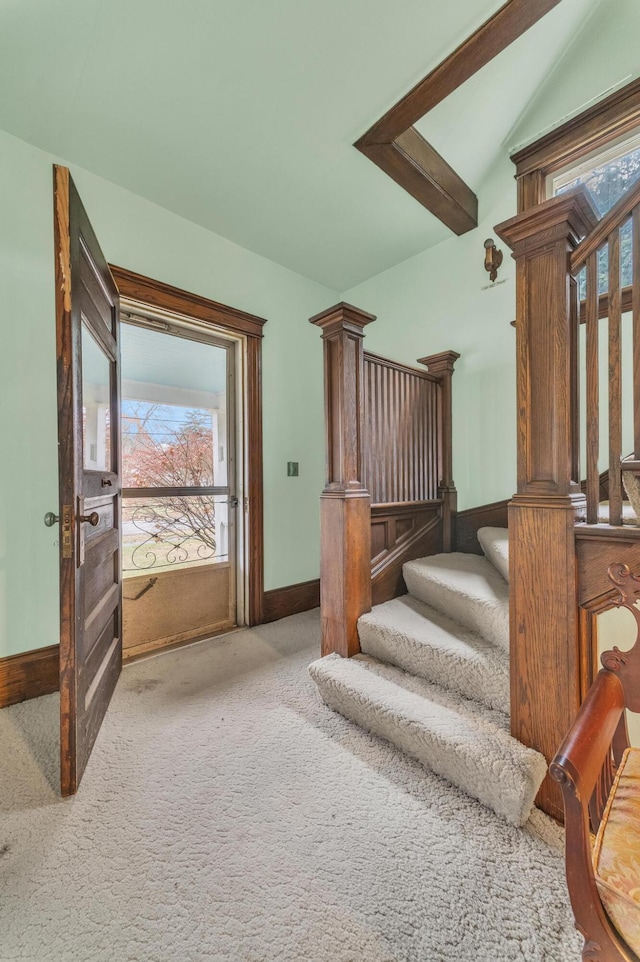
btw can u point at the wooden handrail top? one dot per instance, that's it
(381, 506)
(399, 366)
(614, 219)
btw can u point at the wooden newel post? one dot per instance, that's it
(441, 366)
(345, 505)
(545, 651)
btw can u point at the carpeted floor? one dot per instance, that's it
(226, 814)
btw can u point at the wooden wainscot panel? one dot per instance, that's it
(469, 522)
(399, 533)
(170, 607)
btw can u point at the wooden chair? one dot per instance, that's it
(600, 778)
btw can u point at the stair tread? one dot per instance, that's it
(419, 639)
(495, 544)
(465, 587)
(465, 742)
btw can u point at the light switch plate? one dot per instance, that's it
(292, 469)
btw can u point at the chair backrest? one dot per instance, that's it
(585, 766)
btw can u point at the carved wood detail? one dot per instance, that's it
(585, 767)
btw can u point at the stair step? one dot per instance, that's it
(463, 742)
(466, 588)
(422, 641)
(495, 544)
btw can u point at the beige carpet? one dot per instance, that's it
(226, 814)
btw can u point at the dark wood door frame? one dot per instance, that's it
(394, 144)
(155, 293)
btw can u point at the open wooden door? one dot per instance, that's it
(89, 468)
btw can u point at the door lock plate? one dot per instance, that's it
(66, 520)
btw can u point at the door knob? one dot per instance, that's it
(50, 519)
(93, 519)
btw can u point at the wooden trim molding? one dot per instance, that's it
(157, 294)
(29, 675)
(393, 143)
(291, 600)
(593, 130)
(139, 288)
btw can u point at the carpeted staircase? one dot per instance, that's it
(433, 677)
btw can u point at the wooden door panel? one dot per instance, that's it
(89, 479)
(94, 299)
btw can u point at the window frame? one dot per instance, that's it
(615, 118)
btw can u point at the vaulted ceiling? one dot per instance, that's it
(240, 115)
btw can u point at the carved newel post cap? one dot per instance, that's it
(439, 364)
(573, 212)
(340, 317)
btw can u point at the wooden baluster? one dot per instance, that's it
(635, 307)
(345, 506)
(592, 391)
(545, 644)
(615, 381)
(441, 366)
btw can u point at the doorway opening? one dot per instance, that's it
(181, 426)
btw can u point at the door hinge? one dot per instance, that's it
(65, 531)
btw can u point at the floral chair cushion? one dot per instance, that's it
(616, 854)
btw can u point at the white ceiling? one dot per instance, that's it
(240, 115)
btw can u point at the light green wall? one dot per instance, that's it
(150, 240)
(436, 301)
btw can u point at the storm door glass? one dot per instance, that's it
(178, 468)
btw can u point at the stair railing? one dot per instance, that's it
(388, 440)
(551, 245)
(608, 242)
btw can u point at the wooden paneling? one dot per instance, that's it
(29, 675)
(225, 318)
(291, 600)
(401, 454)
(468, 523)
(401, 151)
(178, 605)
(400, 533)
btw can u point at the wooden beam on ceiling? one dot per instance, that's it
(402, 152)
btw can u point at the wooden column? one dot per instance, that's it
(441, 366)
(345, 505)
(545, 648)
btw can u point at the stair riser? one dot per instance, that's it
(478, 681)
(476, 767)
(491, 621)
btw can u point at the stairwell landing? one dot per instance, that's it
(433, 677)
